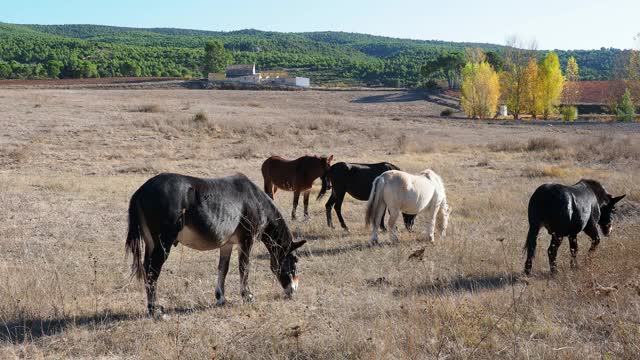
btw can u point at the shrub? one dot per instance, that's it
(544, 171)
(506, 146)
(626, 110)
(149, 108)
(543, 143)
(200, 116)
(431, 85)
(569, 113)
(446, 112)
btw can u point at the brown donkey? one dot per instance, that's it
(295, 175)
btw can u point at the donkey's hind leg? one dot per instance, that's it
(573, 245)
(153, 261)
(383, 228)
(556, 241)
(379, 214)
(223, 268)
(338, 206)
(328, 206)
(530, 246)
(393, 229)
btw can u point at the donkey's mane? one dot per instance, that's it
(597, 189)
(279, 233)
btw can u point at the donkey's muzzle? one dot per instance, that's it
(290, 290)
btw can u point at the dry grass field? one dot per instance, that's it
(70, 160)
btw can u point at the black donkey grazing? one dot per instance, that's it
(566, 211)
(207, 214)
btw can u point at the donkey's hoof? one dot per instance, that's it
(158, 313)
(221, 301)
(247, 298)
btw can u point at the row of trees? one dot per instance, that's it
(523, 82)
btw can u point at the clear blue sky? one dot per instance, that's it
(561, 24)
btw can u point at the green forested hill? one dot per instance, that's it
(72, 51)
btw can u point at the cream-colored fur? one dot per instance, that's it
(401, 192)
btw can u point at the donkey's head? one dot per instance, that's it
(326, 182)
(326, 162)
(285, 269)
(607, 210)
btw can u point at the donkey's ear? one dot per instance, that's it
(295, 245)
(616, 199)
(330, 159)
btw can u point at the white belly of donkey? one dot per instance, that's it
(195, 240)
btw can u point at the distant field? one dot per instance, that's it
(70, 160)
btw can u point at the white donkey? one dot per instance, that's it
(399, 192)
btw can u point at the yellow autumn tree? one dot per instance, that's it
(552, 84)
(532, 97)
(572, 88)
(480, 90)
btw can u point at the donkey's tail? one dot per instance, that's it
(133, 244)
(375, 201)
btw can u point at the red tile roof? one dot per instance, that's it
(596, 92)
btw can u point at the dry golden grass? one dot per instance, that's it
(68, 168)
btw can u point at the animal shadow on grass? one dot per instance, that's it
(19, 331)
(460, 284)
(330, 251)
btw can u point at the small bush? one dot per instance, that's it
(151, 108)
(446, 112)
(431, 85)
(569, 113)
(543, 144)
(544, 171)
(626, 111)
(200, 116)
(507, 146)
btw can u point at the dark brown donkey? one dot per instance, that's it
(295, 175)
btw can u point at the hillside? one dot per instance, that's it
(75, 51)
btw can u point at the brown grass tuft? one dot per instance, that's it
(543, 143)
(150, 108)
(200, 117)
(544, 171)
(506, 146)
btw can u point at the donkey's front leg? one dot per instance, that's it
(592, 231)
(223, 268)
(431, 223)
(296, 197)
(243, 260)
